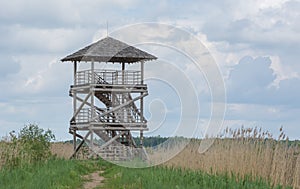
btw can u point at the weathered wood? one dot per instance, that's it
(109, 50)
(80, 107)
(114, 128)
(107, 108)
(123, 105)
(74, 106)
(81, 143)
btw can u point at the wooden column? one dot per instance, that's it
(75, 81)
(142, 99)
(74, 104)
(142, 104)
(92, 101)
(141, 138)
(123, 97)
(92, 89)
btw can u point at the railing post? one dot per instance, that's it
(123, 73)
(92, 89)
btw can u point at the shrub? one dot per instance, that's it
(30, 146)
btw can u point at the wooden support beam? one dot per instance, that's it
(122, 105)
(74, 140)
(120, 90)
(79, 146)
(89, 104)
(115, 128)
(74, 104)
(77, 135)
(124, 124)
(100, 87)
(112, 140)
(81, 106)
(142, 99)
(75, 80)
(141, 138)
(142, 72)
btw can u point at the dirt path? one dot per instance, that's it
(94, 180)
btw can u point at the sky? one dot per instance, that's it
(255, 45)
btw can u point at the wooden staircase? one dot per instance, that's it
(117, 145)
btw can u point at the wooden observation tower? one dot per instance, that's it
(108, 104)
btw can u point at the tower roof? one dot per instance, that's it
(109, 50)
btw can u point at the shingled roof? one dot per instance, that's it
(109, 50)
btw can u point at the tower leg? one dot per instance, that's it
(141, 138)
(74, 142)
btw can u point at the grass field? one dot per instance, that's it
(54, 173)
(60, 173)
(165, 178)
(244, 158)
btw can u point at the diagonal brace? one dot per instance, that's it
(122, 105)
(79, 146)
(80, 107)
(112, 140)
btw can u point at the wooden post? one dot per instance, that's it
(123, 67)
(142, 104)
(74, 105)
(75, 81)
(141, 138)
(123, 97)
(92, 89)
(93, 71)
(92, 139)
(142, 72)
(74, 141)
(92, 100)
(142, 99)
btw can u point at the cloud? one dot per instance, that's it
(255, 44)
(8, 66)
(288, 92)
(252, 81)
(249, 80)
(257, 23)
(17, 39)
(253, 96)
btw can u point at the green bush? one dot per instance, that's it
(30, 146)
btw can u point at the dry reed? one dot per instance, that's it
(246, 152)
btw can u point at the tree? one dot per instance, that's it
(35, 143)
(31, 145)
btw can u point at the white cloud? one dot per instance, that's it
(19, 39)
(35, 35)
(260, 81)
(8, 66)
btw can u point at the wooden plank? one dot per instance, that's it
(111, 140)
(114, 128)
(122, 105)
(80, 107)
(79, 146)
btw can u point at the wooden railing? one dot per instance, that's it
(113, 77)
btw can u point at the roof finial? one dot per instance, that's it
(106, 28)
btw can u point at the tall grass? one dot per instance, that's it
(53, 173)
(241, 158)
(246, 152)
(165, 178)
(27, 162)
(31, 145)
